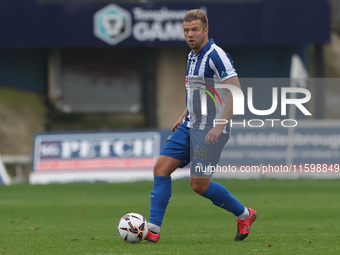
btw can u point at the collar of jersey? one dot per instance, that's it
(205, 48)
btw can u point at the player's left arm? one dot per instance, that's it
(215, 132)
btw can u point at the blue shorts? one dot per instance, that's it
(187, 145)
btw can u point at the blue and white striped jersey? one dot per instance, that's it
(208, 67)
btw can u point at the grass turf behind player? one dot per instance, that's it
(294, 217)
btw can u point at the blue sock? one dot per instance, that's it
(160, 196)
(221, 197)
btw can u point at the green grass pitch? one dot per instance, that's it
(294, 217)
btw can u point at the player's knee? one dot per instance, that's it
(157, 169)
(164, 165)
(199, 186)
(160, 170)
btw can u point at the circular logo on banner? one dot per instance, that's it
(112, 24)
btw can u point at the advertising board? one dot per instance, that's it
(311, 151)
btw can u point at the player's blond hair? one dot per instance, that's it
(196, 14)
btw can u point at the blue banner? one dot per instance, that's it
(159, 24)
(306, 145)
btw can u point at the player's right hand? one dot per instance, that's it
(175, 126)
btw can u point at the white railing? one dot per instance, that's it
(19, 161)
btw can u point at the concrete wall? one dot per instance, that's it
(170, 85)
(332, 70)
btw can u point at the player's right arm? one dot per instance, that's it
(180, 120)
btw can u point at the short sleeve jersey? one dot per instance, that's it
(205, 69)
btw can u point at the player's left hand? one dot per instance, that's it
(213, 134)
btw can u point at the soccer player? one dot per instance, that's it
(196, 139)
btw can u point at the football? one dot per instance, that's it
(132, 228)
